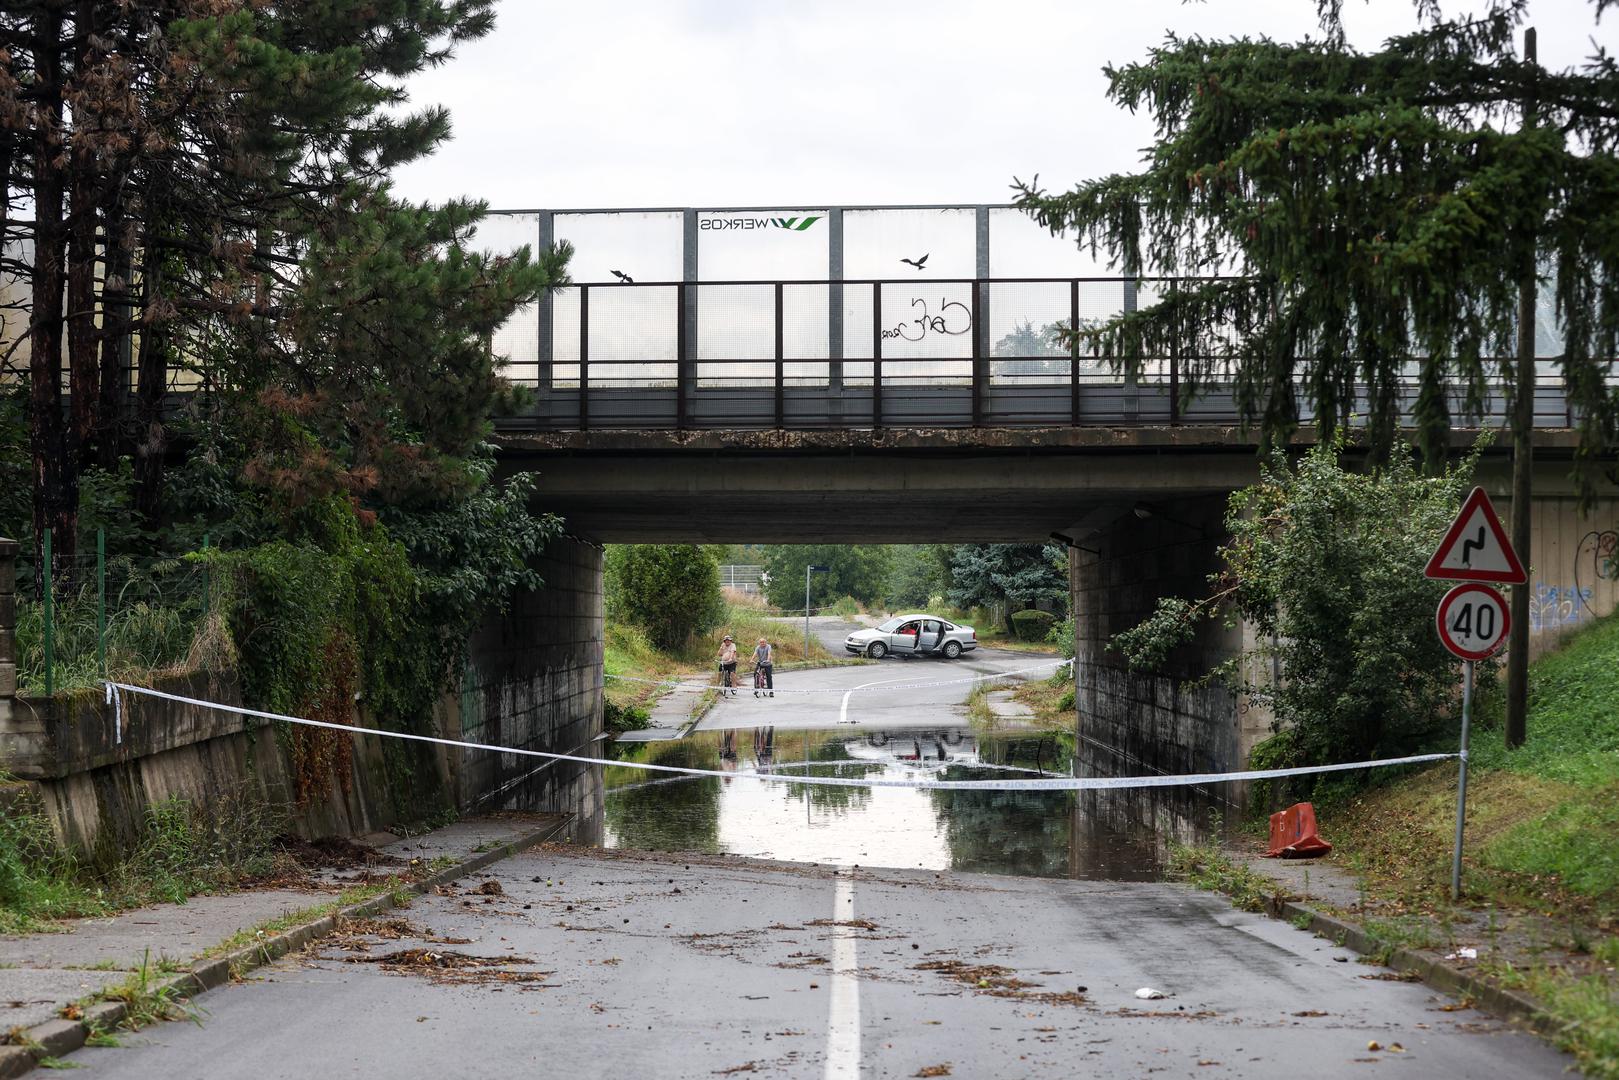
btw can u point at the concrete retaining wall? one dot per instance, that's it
(539, 686)
(535, 682)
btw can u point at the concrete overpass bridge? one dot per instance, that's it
(711, 380)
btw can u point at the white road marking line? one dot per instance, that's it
(843, 710)
(843, 1021)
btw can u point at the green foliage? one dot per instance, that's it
(182, 848)
(1005, 577)
(845, 607)
(1326, 566)
(857, 570)
(1376, 207)
(1574, 725)
(38, 880)
(187, 847)
(1062, 636)
(917, 573)
(1211, 869)
(617, 719)
(671, 591)
(1033, 624)
(155, 616)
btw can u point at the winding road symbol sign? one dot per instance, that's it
(1473, 621)
(1476, 548)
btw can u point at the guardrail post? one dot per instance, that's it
(781, 400)
(1174, 355)
(544, 356)
(1073, 353)
(1130, 406)
(982, 344)
(978, 361)
(834, 301)
(8, 627)
(682, 358)
(877, 355)
(584, 358)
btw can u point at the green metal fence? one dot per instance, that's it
(99, 616)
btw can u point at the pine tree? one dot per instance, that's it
(208, 185)
(1377, 217)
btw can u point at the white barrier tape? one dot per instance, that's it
(740, 685)
(1066, 783)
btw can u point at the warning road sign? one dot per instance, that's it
(1473, 621)
(1476, 548)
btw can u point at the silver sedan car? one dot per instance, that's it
(913, 635)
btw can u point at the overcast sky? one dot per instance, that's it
(716, 103)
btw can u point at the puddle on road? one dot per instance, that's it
(1037, 834)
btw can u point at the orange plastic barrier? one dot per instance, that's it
(1293, 834)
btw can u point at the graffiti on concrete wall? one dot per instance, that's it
(1553, 606)
(1596, 560)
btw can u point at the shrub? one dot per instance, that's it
(1033, 624)
(1062, 636)
(1326, 566)
(671, 591)
(845, 607)
(618, 718)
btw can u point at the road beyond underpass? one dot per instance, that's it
(615, 964)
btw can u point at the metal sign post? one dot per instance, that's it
(1461, 783)
(1473, 622)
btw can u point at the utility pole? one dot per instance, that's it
(1523, 454)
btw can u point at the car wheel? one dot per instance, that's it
(877, 650)
(952, 650)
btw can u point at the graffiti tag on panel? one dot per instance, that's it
(953, 319)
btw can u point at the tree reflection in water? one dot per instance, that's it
(672, 815)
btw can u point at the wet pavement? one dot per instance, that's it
(611, 964)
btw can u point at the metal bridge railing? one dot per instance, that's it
(921, 352)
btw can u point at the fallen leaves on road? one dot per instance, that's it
(449, 967)
(933, 1070)
(490, 888)
(746, 1066)
(1312, 1012)
(996, 981)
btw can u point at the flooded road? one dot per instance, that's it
(1036, 834)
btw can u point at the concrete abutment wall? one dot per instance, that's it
(534, 682)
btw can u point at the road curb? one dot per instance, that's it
(1428, 966)
(58, 1038)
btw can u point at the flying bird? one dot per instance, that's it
(627, 280)
(916, 262)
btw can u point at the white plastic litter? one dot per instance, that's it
(1463, 954)
(1147, 993)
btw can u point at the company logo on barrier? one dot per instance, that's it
(792, 224)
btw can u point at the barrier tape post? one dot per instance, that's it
(1461, 782)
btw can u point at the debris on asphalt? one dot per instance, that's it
(942, 1069)
(490, 888)
(1147, 993)
(1468, 953)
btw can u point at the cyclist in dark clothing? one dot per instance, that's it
(764, 660)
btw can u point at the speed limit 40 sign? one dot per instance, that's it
(1473, 621)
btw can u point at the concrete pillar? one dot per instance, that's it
(1085, 591)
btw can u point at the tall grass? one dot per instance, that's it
(182, 848)
(157, 623)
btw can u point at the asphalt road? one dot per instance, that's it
(884, 694)
(635, 965)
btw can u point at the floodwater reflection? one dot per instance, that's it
(1033, 833)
